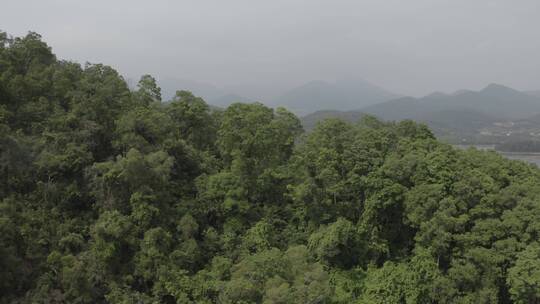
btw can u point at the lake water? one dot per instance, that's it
(533, 158)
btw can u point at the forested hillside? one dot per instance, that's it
(112, 196)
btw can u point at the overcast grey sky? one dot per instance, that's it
(407, 46)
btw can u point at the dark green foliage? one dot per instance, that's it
(109, 196)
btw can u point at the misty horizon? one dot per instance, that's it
(410, 49)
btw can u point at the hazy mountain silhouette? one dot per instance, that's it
(465, 114)
(207, 91)
(227, 99)
(212, 94)
(345, 94)
(495, 100)
(342, 95)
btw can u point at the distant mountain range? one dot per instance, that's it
(491, 114)
(346, 94)
(495, 100)
(212, 94)
(494, 114)
(321, 95)
(207, 91)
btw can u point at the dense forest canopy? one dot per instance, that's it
(110, 195)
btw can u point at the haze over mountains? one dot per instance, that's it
(340, 95)
(212, 94)
(494, 114)
(343, 94)
(495, 100)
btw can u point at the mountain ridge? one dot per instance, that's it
(342, 95)
(495, 100)
(492, 113)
